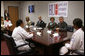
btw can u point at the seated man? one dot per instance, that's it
(40, 23)
(19, 35)
(62, 26)
(52, 25)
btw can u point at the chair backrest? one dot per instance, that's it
(44, 25)
(70, 28)
(78, 52)
(10, 43)
(33, 23)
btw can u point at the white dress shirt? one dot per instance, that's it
(19, 35)
(76, 43)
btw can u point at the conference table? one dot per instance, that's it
(48, 41)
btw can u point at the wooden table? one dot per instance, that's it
(47, 41)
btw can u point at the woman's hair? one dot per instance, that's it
(19, 22)
(78, 22)
(52, 18)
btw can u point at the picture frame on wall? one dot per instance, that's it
(31, 8)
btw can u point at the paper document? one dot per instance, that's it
(55, 34)
(39, 33)
(49, 31)
(39, 28)
(26, 26)
(67, 45)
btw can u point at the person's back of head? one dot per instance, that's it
(19, 22)
(78, 23)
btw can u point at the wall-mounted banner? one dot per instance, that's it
(58, 9)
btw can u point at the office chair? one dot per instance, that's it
(43, 25)
(33, 23)
(70, 52)
(70, 28)
(77, 52)
(14, 49)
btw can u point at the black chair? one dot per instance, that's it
(44, 25)
(77, 52)
(74, 51)
(1, 35)
(70, 28)
(33, 23)
(13, 49)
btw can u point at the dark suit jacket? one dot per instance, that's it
(62, 26)
(41, 24)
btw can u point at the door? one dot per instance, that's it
(13, 13)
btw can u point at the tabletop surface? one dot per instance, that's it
(48, 39)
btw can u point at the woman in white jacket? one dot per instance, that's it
(77, 40)
(19, 35)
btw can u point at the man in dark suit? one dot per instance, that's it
(62, 25)
(40, 23)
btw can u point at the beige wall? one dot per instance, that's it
(75, 9)
(2, 8)
(11, 3)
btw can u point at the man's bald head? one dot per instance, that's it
(39, 18)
